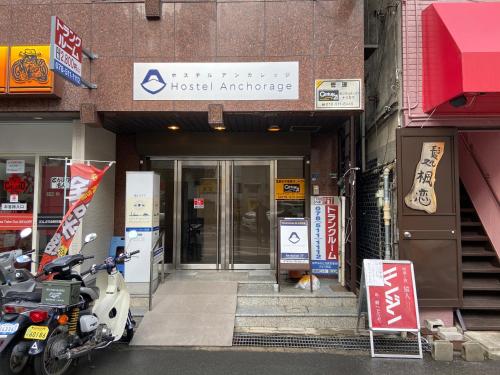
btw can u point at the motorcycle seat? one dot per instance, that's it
(35, 296)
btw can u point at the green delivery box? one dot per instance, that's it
(60, 292)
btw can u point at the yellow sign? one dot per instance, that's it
(4, 62)
(29, 70)
(290, 189)
(36, 333)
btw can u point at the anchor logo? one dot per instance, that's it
(153, 82)
(294, 238)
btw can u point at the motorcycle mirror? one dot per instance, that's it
(132, 234)
(26, 232)
(90, 237)
(23, 259)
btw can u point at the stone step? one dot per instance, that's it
(266, 295)
(284, 318)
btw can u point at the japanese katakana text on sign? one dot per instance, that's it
(65, 51)
(422, 195)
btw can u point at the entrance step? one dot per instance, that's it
(265, 295)
(262, 309)
(283, 318)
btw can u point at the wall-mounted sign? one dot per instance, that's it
(422, 195)
(46, 221)
(29, 70)
(65, 51)
(14, 206)
(325, 234)
(289, 189)
(337, 94)
(4, 63)
(9, 221)
(15, 166)
(198, 203)
(15, 185)
(216, 81)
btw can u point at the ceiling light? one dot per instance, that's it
(37, 118)
(220, 127)
(174, 127)
(273, 128)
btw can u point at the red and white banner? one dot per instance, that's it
(85, 180)
(392, 298)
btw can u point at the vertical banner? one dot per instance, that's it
(85, 180)
(325, 234)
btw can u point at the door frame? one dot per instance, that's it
(225, 218)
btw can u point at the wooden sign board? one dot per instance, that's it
(388, 295)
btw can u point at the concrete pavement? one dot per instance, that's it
(125, 360)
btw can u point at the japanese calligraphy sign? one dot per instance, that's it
(217, 81)
(85, 180)
(422, 195)
(65, 51)
(289, 189)
(325, 234)
(391, 295)
(339, 94)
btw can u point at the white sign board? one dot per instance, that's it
(216, 81)
(15, 166)
(142, 216)
(337, 94)
(58, 182)
(14, 207)
(294, 241)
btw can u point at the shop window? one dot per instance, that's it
(165, 168)
(17, 187)
(52, 186)
(290, 208)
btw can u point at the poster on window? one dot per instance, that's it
(85, 180)
(326, 234)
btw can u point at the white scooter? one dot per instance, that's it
(64, 333)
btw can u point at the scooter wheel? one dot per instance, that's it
(11, 365)
(47, 362)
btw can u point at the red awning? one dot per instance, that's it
(461, 58)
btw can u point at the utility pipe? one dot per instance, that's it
(387, 213)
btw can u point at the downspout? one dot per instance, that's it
(387, 213)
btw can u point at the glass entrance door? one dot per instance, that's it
(224, 214)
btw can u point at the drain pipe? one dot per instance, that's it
(387, 213)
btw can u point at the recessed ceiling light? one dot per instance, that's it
(37, 118)
(219, 127)
(174, 127)
(273, 128)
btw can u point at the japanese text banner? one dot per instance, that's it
(85, 180)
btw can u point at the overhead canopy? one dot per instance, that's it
(461, 58)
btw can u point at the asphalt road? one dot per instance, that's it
(123, 360)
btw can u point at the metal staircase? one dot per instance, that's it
(480, 270)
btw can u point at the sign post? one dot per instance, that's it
(388, 295)
(294, 251)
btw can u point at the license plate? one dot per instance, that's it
(8, 328)
(36, 333)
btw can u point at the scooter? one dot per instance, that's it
(20, 301)
(61, 334)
